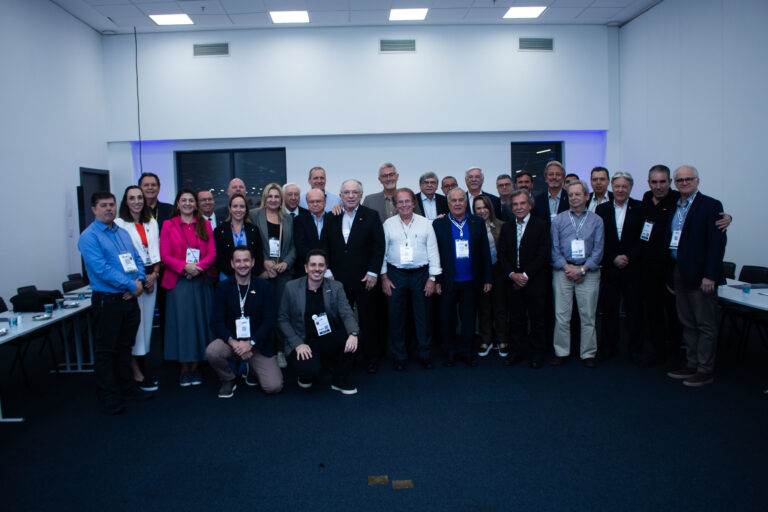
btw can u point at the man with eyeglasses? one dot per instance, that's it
(697, 248)
(662, 327)
(356, 250)
(505, 187)
(309, 230)
(447, 184)
(207, 206)
(383, 202)
(429, 204)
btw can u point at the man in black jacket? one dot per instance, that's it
(309, 230)
(243, 317)
(429, 204)
(620, 277)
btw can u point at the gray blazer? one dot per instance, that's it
(376, 202)
(290, 318)
(287, 249)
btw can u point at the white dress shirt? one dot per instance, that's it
(430, 206)
(151, 254)
(594, 202)
(621, 213)
(419, 236)
(212, 219)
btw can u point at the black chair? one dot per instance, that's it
(75, 277)
(753, 274)
(3, 307)
(26, 289)
(729, 269)
(68, 286)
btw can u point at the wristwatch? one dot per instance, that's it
(353, 333)
(432, 278)
(583, 272)
(253, 343)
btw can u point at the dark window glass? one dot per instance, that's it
(532, 157)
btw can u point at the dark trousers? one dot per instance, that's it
(408, 284)
(528, 305)
(365, 303)
(698, 316)
(492, 309)
(662, 326)
(621, 285)
(115, 324)
(328, 350)
(462, 294)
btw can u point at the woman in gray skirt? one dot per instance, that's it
(188, 250)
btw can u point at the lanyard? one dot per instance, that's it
(520, 226)
(115, 238)
(682, 211)
(460, 227)
(181, 232)
(242, 298)
(577, 229)
(405, 232)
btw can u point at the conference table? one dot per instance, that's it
(62, 319)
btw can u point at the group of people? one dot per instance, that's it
(317, 280)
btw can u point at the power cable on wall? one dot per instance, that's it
(138, 104)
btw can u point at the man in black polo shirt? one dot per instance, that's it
(318, 324)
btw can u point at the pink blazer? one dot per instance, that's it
(175, 237)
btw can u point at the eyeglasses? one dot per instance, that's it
(687, 179)
(388, 175)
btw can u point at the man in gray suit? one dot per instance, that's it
(384, 202)
(318, 325)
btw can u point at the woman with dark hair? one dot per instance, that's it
(491, 307)
(237, 230)
(278, 251)
(188, 250)
(134, 217)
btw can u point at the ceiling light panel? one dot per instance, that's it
(289, 16)
(408, 14)
(524, 12)
(171, 19)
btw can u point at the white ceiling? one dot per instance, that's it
(120, 16)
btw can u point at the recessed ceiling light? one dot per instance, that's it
(524, 12)
(289, 16)
(171, 19)
(407, 14)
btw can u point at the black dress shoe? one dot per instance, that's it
(589, 362)
(449, 362)
(398, 365)
(535, 364)
(426, 363)
(513, 358)
(372, 367)
(469, 360)
(559, 360)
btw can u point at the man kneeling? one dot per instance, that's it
(318, 323)
(244, 315)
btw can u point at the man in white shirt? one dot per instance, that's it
(411, 262)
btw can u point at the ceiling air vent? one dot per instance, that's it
(210, 50)
(537, 43)
(397, 45)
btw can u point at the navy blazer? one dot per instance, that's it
(541, 205)
(534, 252)
(440, 202)
(225, 246)
(701, 249)
(259, 306)
(479, 251)
(364, 250)
(630, 235)
(305, 239)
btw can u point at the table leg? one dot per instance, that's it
(8, 420)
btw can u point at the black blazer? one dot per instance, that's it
(592, 194)
(701, 248)
(162, 213)
(541, 205)
(259, 306)
(479, 251)
(364, 250)
(534, 252)
(225, 246)
(302, 211)
(440, 202)
(305, 238)
(495, 201)
(630, 235)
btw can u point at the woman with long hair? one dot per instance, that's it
(237, 229)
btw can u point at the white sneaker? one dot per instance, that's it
(281, 362)
(484, 350)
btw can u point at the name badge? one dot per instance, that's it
(462, 248)
(321, 324)
(274, 247)
(193, 255)
(577, 249)
(243, 327)
(675, 238)
(145, 256)
(406, 254)
(646, 234)
(126, 259)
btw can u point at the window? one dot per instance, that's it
(532, 157)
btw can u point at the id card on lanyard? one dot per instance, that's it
(321, 324)
(126, 259)
(647, 229)
(462, 246)
(578, 248)
(243, 324)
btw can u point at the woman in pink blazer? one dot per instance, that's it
(187, 250)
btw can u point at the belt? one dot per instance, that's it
(107, 294)
(408, 270)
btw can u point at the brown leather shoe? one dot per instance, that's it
(589, 362)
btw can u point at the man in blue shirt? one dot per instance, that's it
(117, 278)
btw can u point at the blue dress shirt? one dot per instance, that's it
(101, 246)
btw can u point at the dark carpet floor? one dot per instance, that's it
(491, 438)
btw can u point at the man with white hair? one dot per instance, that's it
(384, 202)
(474, 179)
(292, 195)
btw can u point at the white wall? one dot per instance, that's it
(333, 81)
(693, 75)
(358, 156)
(52, 121)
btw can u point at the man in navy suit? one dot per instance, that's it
(697, 248)
(309, 230)
(620, 277)
(474, 179)
(429, 204)
(524, 253)
(555, 200)
(599, 178)
(465, 257)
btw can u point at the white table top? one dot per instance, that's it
(732, 292)
(28, 325)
